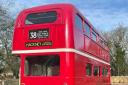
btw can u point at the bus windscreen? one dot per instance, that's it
(40, 18)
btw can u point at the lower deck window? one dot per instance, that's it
(42, 65)
(96, 71)
(104, 71)
(88, 69)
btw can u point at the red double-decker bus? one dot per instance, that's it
(58, 46)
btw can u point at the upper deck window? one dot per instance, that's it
(87, 29)
(102, 42)
(42, 17)
(78, 22)
(94, 36)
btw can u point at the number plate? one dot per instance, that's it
(38, 34)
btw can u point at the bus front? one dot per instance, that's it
(40, 39)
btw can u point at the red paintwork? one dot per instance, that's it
(63, 34)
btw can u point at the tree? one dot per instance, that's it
(7, 60)
(117, 43)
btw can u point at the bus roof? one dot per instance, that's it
(51, 6)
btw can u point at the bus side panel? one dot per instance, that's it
(93, 48)
(80, 72)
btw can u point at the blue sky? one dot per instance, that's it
(103, 14)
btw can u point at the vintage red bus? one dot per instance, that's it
(58, 46)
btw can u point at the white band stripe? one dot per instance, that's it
(60, 50)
